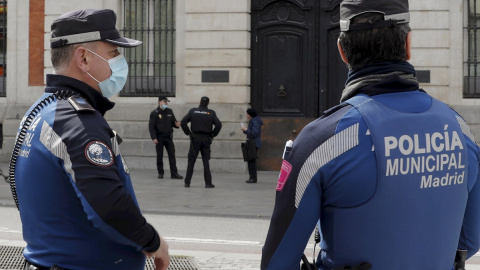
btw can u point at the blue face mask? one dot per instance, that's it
(164, 106)
(117, 80)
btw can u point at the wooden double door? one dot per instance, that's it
(296, 71)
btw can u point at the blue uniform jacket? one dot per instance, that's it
(76, 200)
(254, 131)
(390, 183)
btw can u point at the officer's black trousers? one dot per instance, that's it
(199, 145)
(168, 143)
(252, 168)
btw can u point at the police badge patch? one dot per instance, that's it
(99, 154)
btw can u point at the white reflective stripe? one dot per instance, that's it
(79, 38)
(115, 148)
(116, 153)
(400, 18)
(465, 128)
(56, 146)
(119, 42)
(326, 152)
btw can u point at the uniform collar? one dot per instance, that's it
(94, 98)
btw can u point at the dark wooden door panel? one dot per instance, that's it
(283, 73)
(283, 58)
(297, 72)
(333, 71)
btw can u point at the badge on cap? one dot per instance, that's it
(99, 154)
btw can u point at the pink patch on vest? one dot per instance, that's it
(284, 174)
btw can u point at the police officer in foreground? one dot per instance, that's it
(201, 134)
(161, 124)
(75, 195)
(391, 175)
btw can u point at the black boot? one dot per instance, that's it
(251, 180)
(176, 176)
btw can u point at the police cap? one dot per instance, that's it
(87, 25)
(160, 98)
(394, 12)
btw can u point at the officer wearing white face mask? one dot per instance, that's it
(160, 125)
(116, 81)
(72, 186)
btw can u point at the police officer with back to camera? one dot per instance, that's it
(161, 124)
(201, 135)
(391, 175)
(73, 188)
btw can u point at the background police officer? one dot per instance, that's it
(161, 124)
(201, 135)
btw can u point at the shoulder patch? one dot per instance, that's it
(80, 104)
(284, 174)
(99, 154)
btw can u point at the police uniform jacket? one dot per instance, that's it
(391, 177)
(76, 200)
(161, 123)
(202, 119)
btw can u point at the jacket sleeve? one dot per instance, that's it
(105, 194)
(470, 234)
(151, 125)
(291, 227)
(174, 120)
(253, 130)
(218, 125)
(295, 214)
(185, 120)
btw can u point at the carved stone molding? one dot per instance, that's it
(282, 12)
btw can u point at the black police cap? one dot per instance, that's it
(160, 98)
(394, 12)
(87, 25)
(204, 100)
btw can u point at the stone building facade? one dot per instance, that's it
(213, 35)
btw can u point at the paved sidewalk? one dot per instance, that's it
(231, 196)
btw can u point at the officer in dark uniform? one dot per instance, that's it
(161, 124)
(73, 188)
(201, 135)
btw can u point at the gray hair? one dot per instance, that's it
(62, 56)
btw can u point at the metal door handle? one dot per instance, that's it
(281, 91)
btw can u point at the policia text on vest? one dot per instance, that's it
(427, 153)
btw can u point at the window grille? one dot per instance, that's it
(3, 47)
(152, 64)
(471, 85)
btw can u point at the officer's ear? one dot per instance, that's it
(342, 53)
(408, 45)
(81, 59)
